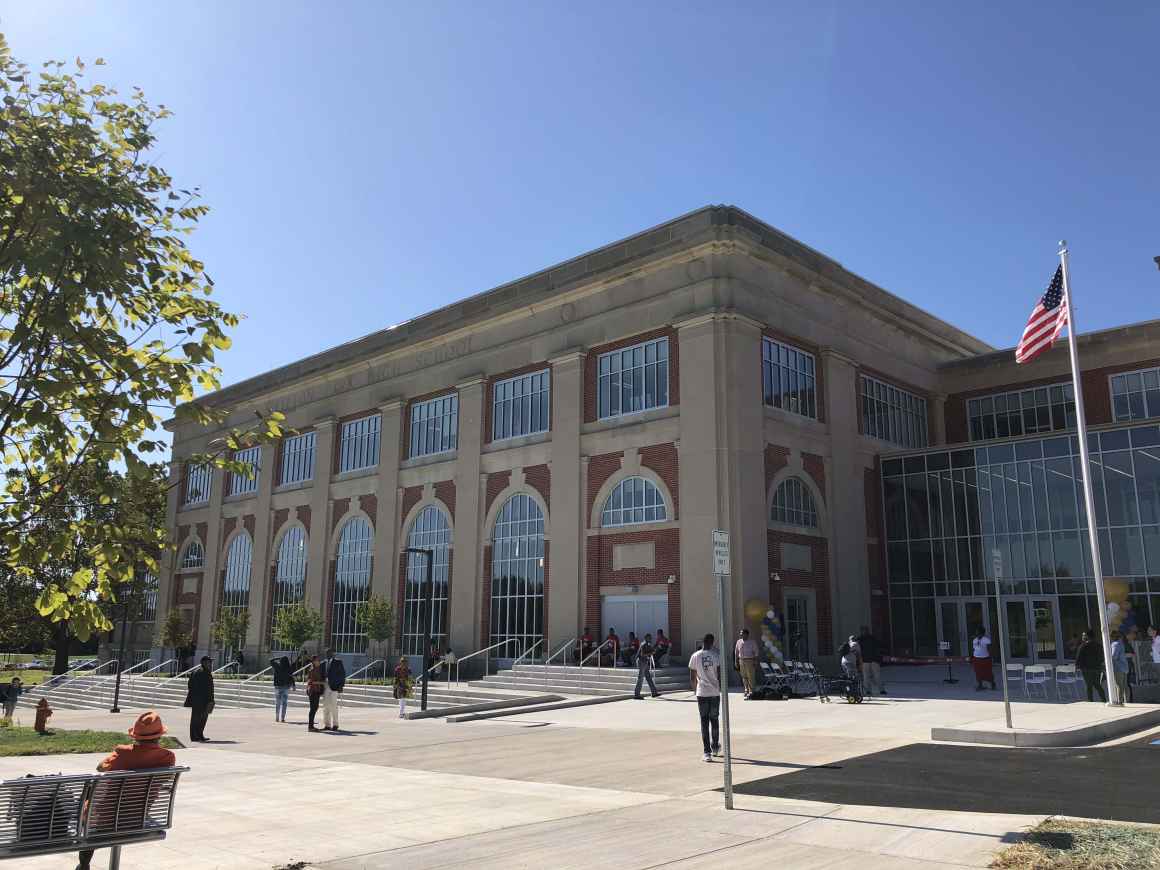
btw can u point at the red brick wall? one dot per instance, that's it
(600, 468)
(600, 573)
(592, 358)
(228, 526)
(202, 531)
(280, 517)
(1097, 396)
(341, 506)
(815, 467)
(488, 397)
(819, 369)
(411, 497)
(496, 483)
(445, 492)
(303, 512)
(370, 506)
(818, 580)
(248, 523)
(662, 459)
(539, 477)
(776, 458)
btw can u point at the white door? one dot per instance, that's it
(642, 614)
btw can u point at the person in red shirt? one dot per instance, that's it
(145, 751)
(611, 650)
(586, 645)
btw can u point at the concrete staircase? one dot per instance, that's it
(87, 692)
(573, 680)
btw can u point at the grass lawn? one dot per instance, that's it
(25, 741)
(29, 678)
(1063, 844)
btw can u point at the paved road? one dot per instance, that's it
(1111, 782)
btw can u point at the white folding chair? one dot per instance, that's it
(1065, 675)
(1035, 676)
(1015, 675)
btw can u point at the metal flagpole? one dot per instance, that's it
(1114, 698)
(723, 626)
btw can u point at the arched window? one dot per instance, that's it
(429, 531)
(352, 583)
(289, 573)
(236, 588)
(193, 557)
(793, 505)
(517, 576)
(634, 500)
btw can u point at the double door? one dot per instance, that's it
(1031, 624)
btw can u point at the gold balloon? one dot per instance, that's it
(1116, 589)
(755, 611)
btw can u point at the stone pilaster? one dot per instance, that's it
(566, 523)
(318, 547)
(384, 577)
(260, 568)
(463, 621)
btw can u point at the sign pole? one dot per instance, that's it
(721, 570)
(997, 566)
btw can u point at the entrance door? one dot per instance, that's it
(797, 628)
(643, 614)
(1045, 623)
(958, 622)
(1018, 633)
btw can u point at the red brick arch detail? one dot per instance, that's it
(662, 458)
(341, 506)
(369, 504)
(539, 477)
(411, 497)
(445, 492)
(600, 469)
(496, 483)
(776, 458)
(815, 467)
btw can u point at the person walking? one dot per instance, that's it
(871, 662)
(199, 698)
(315, 685)
(745, 652)
(705, 677)
(145, 751)
(1089, 658)
(283, 685)
(1120, 666)
(644, 667)
(334, 679)
(10, 694)
(402, 689)
(981, 659)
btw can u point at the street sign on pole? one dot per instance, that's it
(720, 553)
(997, 570)
(721, 570)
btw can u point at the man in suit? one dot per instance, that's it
(334, 677)
(199, 698)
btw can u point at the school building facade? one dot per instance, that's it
(568, 442)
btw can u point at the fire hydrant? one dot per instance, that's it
(43, 711)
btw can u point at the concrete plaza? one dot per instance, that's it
(620, 783)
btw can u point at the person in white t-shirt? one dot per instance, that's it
(981, 659)
(705, 678)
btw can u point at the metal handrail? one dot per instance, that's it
(157, 667)
(480, 652)
(525, 654)
(60, 679)
(564, 648)
(186, 672)
(130, 670)
(225, 667)
(350, 679)
(300, 671)
(595, 652)
(102, 686)
(265, 670)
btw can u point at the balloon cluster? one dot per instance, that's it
(1120, 614)
(772, 628)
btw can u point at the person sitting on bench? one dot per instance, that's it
(587, 644)
(610, 652)
(631, 649)
(145, 751)
(661, 648)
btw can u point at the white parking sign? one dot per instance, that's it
(720, 552)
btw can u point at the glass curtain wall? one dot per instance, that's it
(955, 516)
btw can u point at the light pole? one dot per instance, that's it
(121, 655)
(428, 612)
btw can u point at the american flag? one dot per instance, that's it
(1046, 322)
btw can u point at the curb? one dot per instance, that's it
(1084, 735)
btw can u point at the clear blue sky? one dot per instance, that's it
(366, 162)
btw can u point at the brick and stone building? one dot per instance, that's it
(567, 443)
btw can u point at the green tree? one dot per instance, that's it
(376, 619)
(22, 628)
(296, 624)
(173, 634)
(106, 325)
(230, 628)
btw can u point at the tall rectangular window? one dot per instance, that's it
(893, 415)
(788, 378)
(197, 483)
(245, 483)
(1021, 412)
(358, 445)
(519, 406)
(1136, 395)
(435, 425)
(633, 379)
(297, 459)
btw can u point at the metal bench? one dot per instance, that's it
(46, 815)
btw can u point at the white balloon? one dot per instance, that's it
(1113, 608)
(770, 614)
